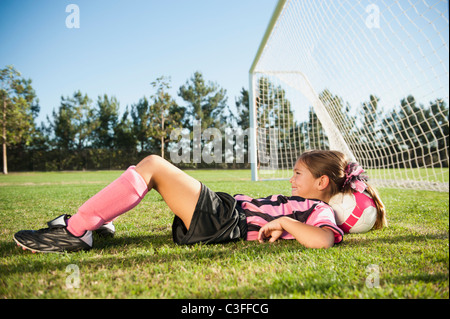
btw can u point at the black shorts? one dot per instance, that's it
(215, 220)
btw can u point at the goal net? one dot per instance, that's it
(368, 78)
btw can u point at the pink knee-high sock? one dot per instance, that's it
(115, 199)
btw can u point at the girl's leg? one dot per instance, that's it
(179, 190)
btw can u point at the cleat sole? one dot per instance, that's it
(32, 250)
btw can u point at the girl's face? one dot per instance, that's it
(303, 183)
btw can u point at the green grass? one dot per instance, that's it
(411, 255)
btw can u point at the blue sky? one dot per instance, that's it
(122, 46)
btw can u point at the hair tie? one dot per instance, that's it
(355, 177)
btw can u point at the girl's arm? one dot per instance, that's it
(307, 235)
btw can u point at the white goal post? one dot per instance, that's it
(368, 78)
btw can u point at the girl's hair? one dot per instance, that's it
(333, 164)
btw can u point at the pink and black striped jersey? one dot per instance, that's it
(263, 210)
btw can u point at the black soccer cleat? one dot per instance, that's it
(106, 230)
(54, 239)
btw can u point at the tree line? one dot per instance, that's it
(82, 133)
(407, 135)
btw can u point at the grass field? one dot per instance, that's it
(409, 259)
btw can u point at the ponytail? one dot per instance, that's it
(356, 180)
(381, 220)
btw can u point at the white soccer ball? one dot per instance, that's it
(355, 213)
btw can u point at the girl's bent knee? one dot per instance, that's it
(150, 161)
(147, 166)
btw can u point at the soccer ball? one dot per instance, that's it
(355, 213)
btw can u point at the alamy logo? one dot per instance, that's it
(73, 280)
(73, 19)
(373, 18)
(373, 276)
(210, 146)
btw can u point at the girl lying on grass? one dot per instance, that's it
(202, 215)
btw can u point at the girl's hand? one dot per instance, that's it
(272, 230)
